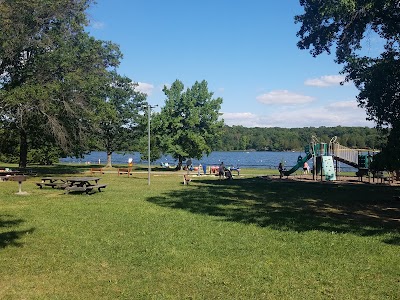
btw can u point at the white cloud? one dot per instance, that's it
(343, 105)
(246, 119)
(146, 88)
(343, 113)
(325, 81)
(284, 97)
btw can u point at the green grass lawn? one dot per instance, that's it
(247, 238)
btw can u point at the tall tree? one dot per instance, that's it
(119, 118)
(188, 124)
(348, 24)
(50, 71)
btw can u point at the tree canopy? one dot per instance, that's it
(188, 125)
(50, 72)
(236, 138)
(350, 25)
(118, 116)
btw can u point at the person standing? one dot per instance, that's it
(280, 169)
(221, 170)
(306, 168)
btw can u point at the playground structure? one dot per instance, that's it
(325, 155)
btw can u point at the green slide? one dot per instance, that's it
(299, 164)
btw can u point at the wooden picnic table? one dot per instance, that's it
(81, 181)
(6, 175)
(53, 179)
(54, 182)
(83, 184)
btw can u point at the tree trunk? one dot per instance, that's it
(23, 148)
(109, 165)
(179, 165)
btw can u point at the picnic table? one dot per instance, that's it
(83, 184)
(7, 174)
(54, 182)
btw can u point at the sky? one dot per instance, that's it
(245, 50)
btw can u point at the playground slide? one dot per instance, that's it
(299, 164)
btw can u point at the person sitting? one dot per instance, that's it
(228, 174)
(237, 169)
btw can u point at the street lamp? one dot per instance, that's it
(149, 107)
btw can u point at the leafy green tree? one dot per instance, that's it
(347, 24)
(188, 124)
(51, 71)
(118, 116)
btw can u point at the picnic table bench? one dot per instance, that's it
(86, 189)
(54, 182)
(73, 184)
(83, 184)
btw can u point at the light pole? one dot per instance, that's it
(149, 107)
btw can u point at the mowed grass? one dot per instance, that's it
(248, 238)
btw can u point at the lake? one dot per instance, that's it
(244, 159)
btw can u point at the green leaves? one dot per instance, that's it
(348, 24)
(189, 120)
(54, 75)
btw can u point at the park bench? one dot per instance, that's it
(383, 176)
(96, 170)
(125, 171)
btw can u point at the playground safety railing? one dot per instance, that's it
(343, 152)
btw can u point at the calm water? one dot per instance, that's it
(253, 159)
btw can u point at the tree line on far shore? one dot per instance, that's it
(235, 138)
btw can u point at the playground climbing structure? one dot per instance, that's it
(324, 156)
(344, 154)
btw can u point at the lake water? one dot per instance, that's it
(244, 159)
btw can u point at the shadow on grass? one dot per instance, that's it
(360, 209)
(11, 237)
(57, 169)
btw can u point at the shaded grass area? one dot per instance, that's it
(9, 236)
(58, 169)
(242, 239)
(364, 210)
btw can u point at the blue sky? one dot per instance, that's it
(245, 50)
